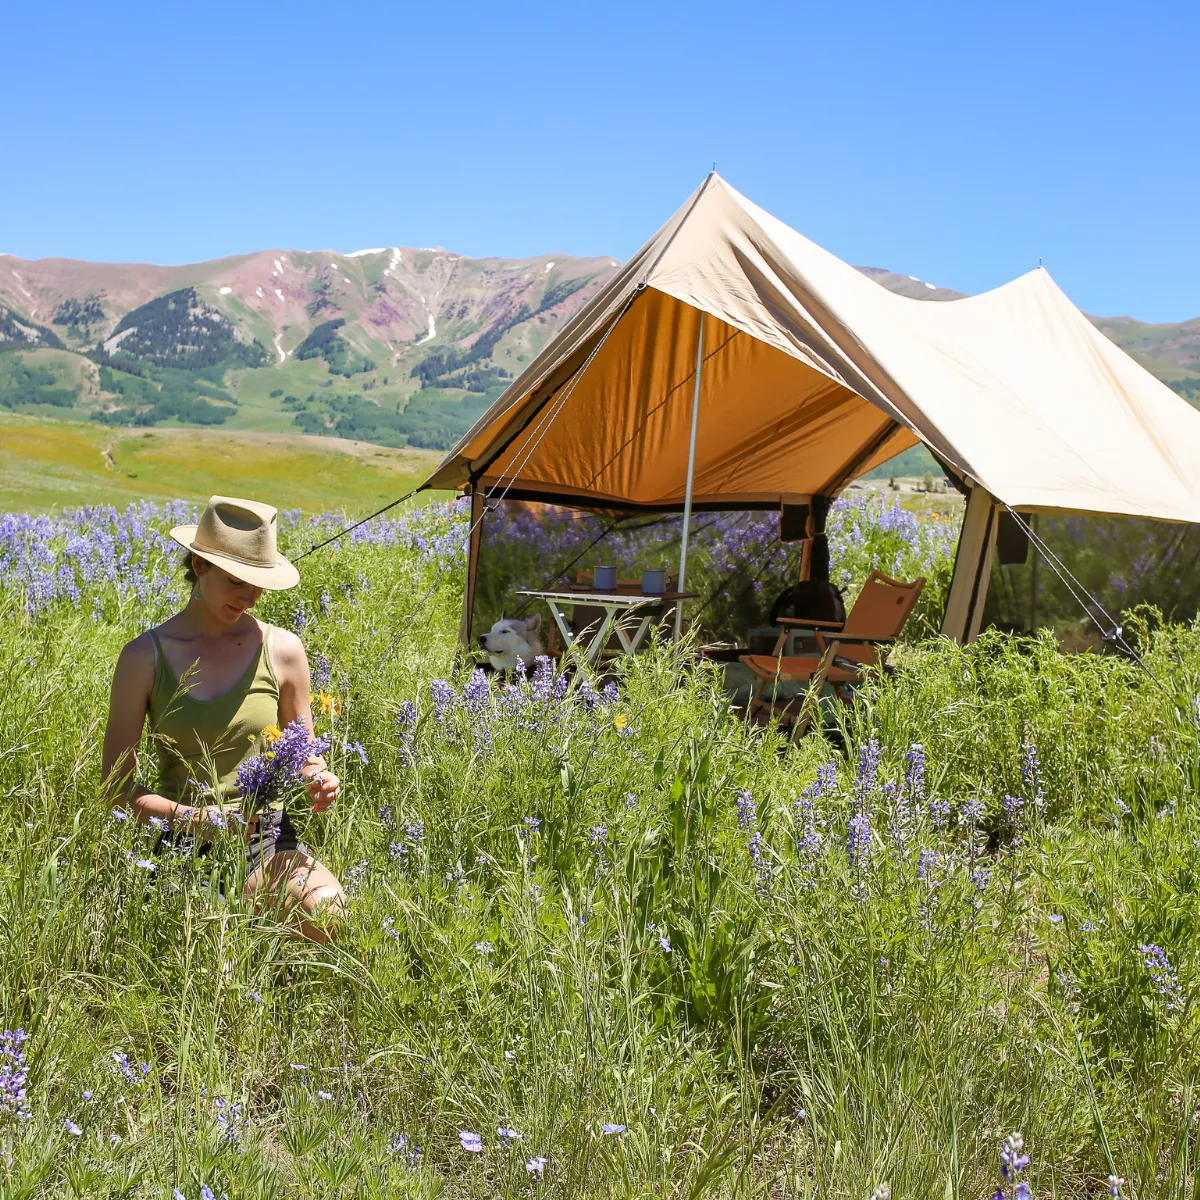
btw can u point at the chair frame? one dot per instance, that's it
(839, 670)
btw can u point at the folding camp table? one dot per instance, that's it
(616, 605)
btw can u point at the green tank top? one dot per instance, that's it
(201, 743)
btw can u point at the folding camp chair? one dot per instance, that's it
(846, 651)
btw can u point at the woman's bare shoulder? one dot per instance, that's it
(287, 650)
(136, 662)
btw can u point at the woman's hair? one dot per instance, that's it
(189, 571)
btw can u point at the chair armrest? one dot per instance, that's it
(860, 639)
(802, 623)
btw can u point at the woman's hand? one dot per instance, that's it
(323, 786)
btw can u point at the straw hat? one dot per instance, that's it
(239, 537)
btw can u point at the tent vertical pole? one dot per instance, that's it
(972, 568)
(691, 473)
(468, 610)
(1033, 576)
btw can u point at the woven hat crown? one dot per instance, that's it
(243, 530)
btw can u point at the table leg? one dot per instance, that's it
(640, 633)
(563, 627)
(601, 637)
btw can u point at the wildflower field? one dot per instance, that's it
(604, 938)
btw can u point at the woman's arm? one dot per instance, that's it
(295, 691)
(128, 703)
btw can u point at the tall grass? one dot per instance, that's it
(674, 954)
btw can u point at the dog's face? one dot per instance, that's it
(511, 640)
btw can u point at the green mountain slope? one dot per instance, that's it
(396, 345)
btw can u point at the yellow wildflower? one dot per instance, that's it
(326, 703)
(620, 720)
(272, 733)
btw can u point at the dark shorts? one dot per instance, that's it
(274, 835)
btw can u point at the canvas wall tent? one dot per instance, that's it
(810, 374)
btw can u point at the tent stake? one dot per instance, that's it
(691, 471)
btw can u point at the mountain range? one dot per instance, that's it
(394, 345)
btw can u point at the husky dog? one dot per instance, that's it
(511, 640)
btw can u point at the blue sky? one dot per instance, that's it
(956, 142)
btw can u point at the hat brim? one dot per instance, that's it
(278, 578)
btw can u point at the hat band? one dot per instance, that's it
(246, 562)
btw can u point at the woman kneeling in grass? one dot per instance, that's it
(215, 684)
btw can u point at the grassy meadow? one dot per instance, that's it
(605, 938)
(46, 463)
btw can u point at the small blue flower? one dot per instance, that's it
(612, 1129)
(72, 1128)
(471, 1142)
(536, 1166)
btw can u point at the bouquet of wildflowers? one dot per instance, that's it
(264, 780)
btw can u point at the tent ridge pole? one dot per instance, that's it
(691, 474)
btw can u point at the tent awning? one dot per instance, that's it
(814, 373)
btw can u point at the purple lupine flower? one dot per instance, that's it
(476, 693)
(1013, 1159)
(231, 1121)
(747, 810)
(123, 1065)
(1012, 809)
(868, 771)
(400, 1145)
(356, 748)
(263, 779)
(974, 810)
(858, 843)
(445, 699)
(321, 671)
(14, 1099)
(1166, 982)
(406, 729)
(914, 773)
(939, 814)
(1032, 776)
(925, 863)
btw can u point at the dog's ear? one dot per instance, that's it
(534, 623)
